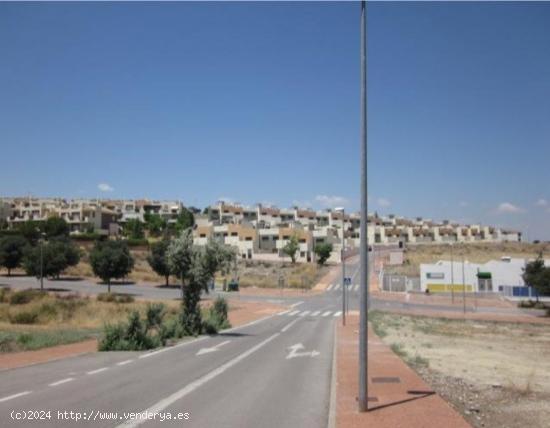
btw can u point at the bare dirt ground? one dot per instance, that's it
(473, 252)
(495, 374)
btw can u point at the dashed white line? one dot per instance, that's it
(178, 395)
(59, 382)
(290, 324)
(102, 369)
(330, 287)
(327, 313)
(149, 354)
(296, 304)
(283, 313)
(11, 397)
(314, 314)
(336, 287)
(337, 314)
(293, 313)
(123, 363)
(356, 287)
(303, 314)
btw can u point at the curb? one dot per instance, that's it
(332, 406)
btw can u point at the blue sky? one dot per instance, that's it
(259, 102)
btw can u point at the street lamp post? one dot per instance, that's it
(452, 277)
(42, 237)
(342, 260)
(364, 242)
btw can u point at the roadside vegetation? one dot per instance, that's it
(486, 370)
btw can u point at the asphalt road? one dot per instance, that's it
(272, 373)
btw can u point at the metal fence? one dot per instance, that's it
(399, 283)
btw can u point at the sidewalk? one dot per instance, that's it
(390, 382)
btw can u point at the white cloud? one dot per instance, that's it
(104, 187)
(542, 203)
(383, 202)
(327, 201)
(507, 207)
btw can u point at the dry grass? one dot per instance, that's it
(266, 274)
(473, 252)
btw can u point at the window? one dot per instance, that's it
(302, 241)
(248, 238)
(203, 235)
(234, 234)
(435, 275)
(265, 238)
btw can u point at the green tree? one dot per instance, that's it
(55, 227)
(111, 260)
(196, 266)
(323, 251)
(185, 220)
(57, 255)
(133, 229)
(30, 230)
(12, 250)
(291, 248)
(155, 224)
(157, 259)
(536, 275)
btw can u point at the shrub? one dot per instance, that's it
(115, 298)
(154, 315)
(47, 310)
(539, 305)
(130, 336)
(141, 242)
(216, 317)
(24, 317)
(526, 304)
(4, 294)
(25, 296)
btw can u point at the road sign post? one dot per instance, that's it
(364, 243)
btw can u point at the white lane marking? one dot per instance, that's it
(293, 313)
(296, 304)
(337, 314)
(330, 287)
(59, 382)
(212, 349)
(327, 313)
(356, 287)
(290, 324)
(303, 314)
(102, 369)
(11, 397)
(314, 314)
(336, 287)
(123, 363)
(150, 354)
(283, 313)
(294, 352)
(178, 395)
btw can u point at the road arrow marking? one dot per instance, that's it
(212, 349)
(295, 354)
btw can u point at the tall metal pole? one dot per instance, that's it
(343, 272)
(452, 277)
(463, 287)
(42, 264)
(364, 242)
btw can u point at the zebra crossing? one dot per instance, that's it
(319, 314)
(336, 287)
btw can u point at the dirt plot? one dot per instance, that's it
(472, 252)
(495, 374)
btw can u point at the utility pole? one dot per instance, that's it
(364, 241)
(452, 276)
(343, 262)
(42, 264)
(463, 287)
